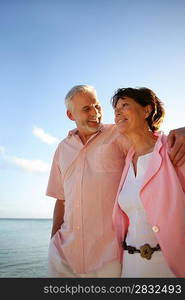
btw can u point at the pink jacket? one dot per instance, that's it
(163, 197)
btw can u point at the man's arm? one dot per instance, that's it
(58, 216)
(181, 174)
(176, 144)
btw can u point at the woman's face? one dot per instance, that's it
(130, 116)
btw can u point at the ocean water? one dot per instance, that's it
(24, 247)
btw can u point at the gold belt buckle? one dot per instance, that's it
(146, 251)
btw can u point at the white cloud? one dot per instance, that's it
(38, 166)
(32, 165)
(44, 137)
(2, 151)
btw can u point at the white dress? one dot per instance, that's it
(139, 231)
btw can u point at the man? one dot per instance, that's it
(84, 178)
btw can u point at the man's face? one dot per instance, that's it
(86, 112)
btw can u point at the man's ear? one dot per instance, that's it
(148, 110)
(70, 116)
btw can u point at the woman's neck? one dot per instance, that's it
(143, 142)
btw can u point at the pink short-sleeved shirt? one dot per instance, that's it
(87, 178)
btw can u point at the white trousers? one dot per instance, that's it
(136, 266)
(57, 268)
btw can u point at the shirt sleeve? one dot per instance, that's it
(55, 183)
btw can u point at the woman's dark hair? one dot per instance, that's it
(144, 97)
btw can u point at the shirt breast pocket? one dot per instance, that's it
(108, 158)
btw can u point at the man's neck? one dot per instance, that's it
(85, 137)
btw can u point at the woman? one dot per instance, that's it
(149, 212)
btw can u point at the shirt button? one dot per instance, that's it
(155, 228)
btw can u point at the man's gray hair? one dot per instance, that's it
(77, 89)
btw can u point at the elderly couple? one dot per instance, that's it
(119, 189)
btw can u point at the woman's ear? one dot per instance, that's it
(148, 110)
(69, 114)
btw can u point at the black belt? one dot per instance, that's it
(146, 250)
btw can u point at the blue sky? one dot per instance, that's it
(48, 46)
